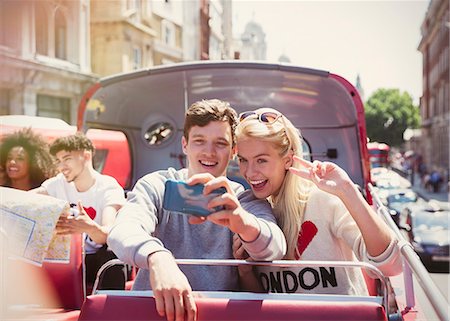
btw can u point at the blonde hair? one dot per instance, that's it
(290, 203)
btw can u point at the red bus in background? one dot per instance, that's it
(378, 154)
(112, 153)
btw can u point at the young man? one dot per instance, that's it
(150, 237)
(97, 197)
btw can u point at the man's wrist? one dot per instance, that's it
(252, 229)
(156, 257)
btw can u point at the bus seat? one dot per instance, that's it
(54, 315)
(371, 283)
(102, 307)
(68, 279)
(132, 272)
(54, 291)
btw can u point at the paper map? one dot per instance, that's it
(28, 220)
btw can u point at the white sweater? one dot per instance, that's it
(329, 233)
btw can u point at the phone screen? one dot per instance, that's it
(188, 199)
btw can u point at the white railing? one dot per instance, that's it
(279, 263)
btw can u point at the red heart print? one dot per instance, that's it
(306, 235)
(90, 211)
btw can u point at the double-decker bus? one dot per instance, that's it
(378, 154)
(148, 107)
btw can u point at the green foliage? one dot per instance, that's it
(388, 114)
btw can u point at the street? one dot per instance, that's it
(441, 280)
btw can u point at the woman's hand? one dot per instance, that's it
(239, 253)
(327, 176)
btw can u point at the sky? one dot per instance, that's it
(376, 39)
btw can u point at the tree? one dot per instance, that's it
(388, 114)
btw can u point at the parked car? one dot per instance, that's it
(399, 199)
(427, 227)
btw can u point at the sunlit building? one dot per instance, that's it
(360, 88)
(435, 100)
(131, 34)
(284, 58)
(52, 51)
(253, 42)
(134, 34)
(45, 57)
(207, 30)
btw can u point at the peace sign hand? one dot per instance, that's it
(327, 176)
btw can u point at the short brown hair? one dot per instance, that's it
(76, 142)
(201, 113)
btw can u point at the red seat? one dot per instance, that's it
(68, 279)
(371, 283)
(104, 307)
(60, 285)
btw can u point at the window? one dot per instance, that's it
(132, 5)
(60, 35)
(4, 101)
(99, 159)
(41, 26)
(137, 58)
(56, 107)
(10, 24)
(133, 12)
(112, 154)
(159, 133)
(168, 32)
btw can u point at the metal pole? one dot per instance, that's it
(432, 292)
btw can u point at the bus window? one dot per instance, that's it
(99, 159)
(112, 154)
(306, 150)
(159, 133)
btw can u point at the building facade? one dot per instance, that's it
(132, 34)
(207, 30)
(45, 57)
(52, 51)
(253, 44)
(435, 100)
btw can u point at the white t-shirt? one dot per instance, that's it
(105, 191)
(329, 233)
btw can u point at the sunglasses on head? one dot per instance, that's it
(265, 117)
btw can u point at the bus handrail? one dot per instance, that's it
(430, 289)
(277, 263)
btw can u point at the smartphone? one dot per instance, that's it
(189, 199)
(73, 210)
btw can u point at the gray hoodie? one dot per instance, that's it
(143, 227)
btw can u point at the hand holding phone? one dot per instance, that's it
(182, 198)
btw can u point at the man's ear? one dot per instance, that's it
(87, 155)
(184, 144)
(233, 152)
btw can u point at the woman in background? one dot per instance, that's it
(26, 160)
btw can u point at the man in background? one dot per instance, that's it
(96, 199)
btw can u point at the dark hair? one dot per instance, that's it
(41, 162)
(201, 113)
(76, 142)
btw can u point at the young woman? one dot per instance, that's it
(26, 160)
(320, 210)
